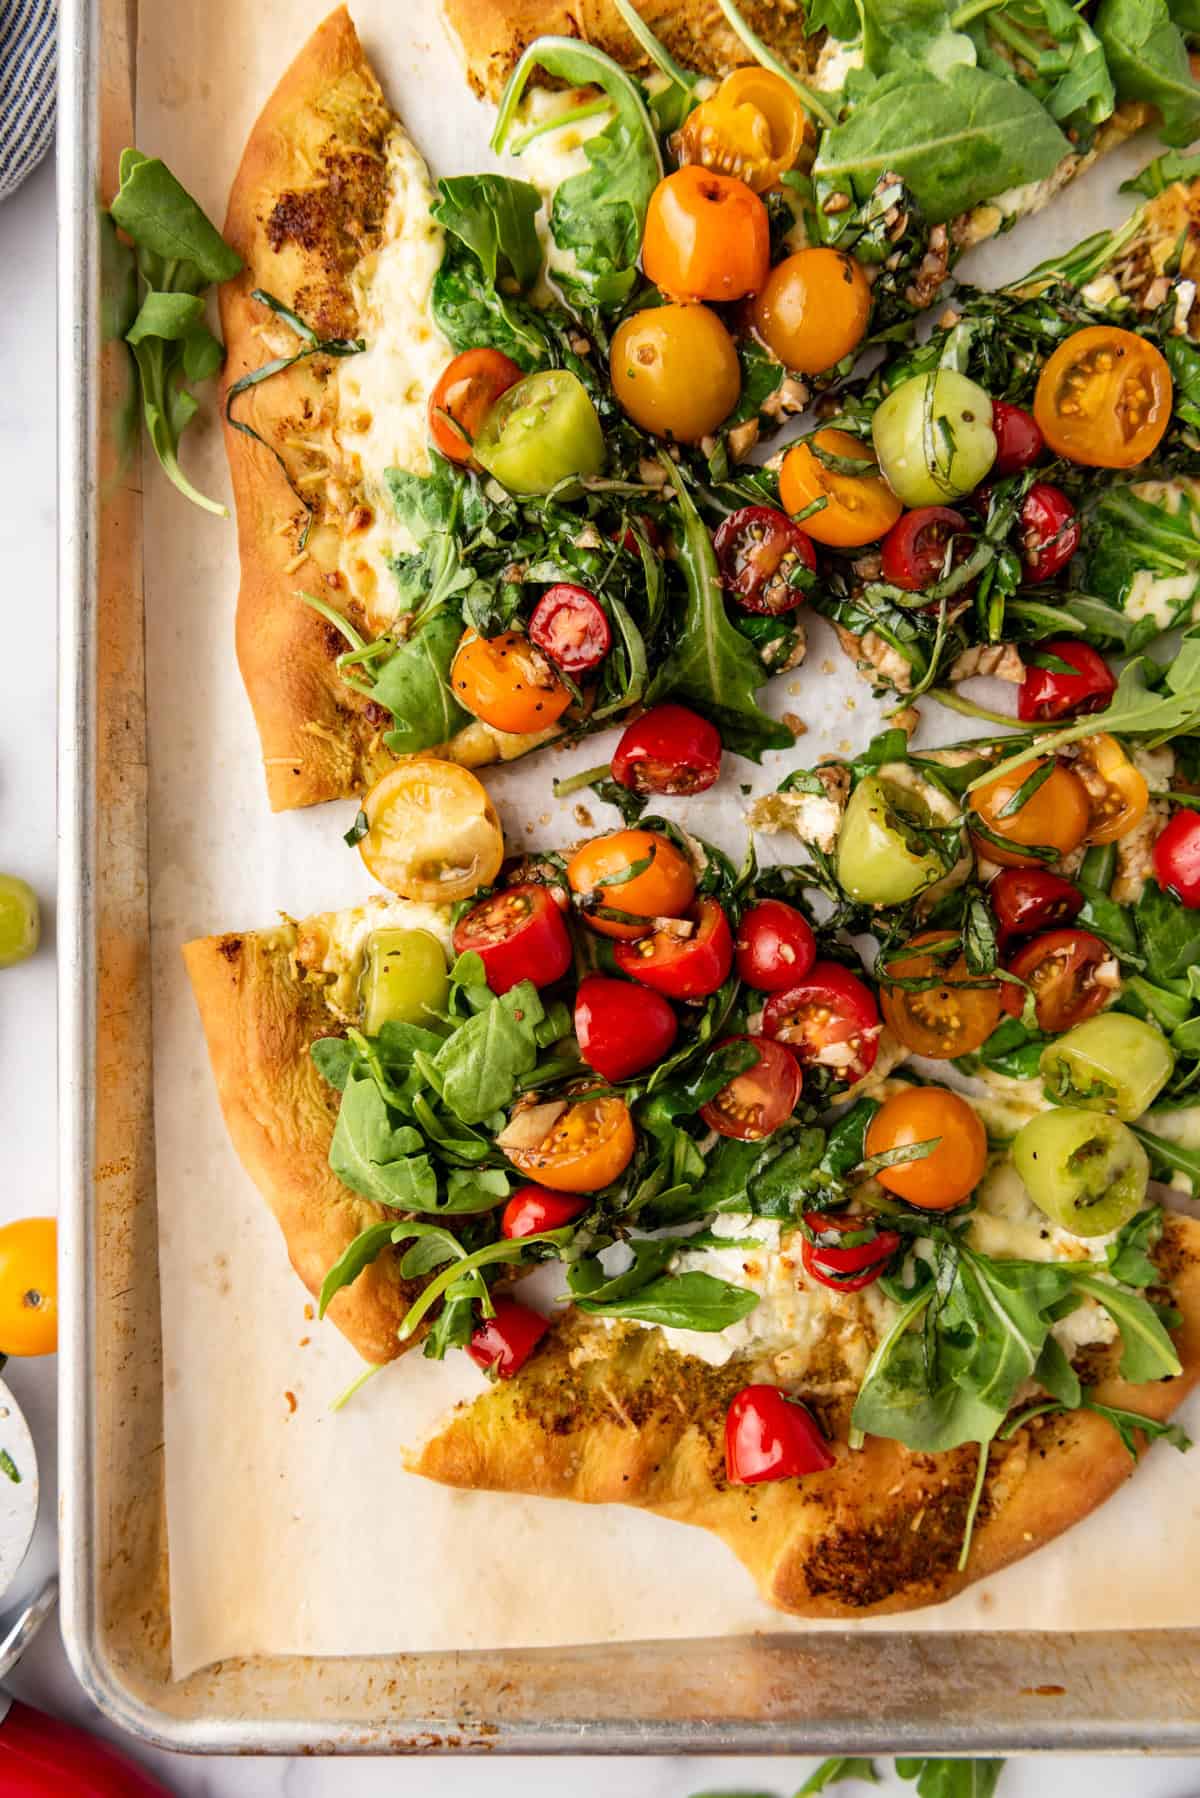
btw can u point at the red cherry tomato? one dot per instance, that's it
(1019, 441)
(502, 1344)
(1177, 858)
(1049, 693)
(850, 1269)
(1049, 531)
(829, 1019)
(628, 539)
(519, 934)
(533, 1209)
(468, 389)
(1067, 971)
(775, 946)
(771, 1437)
(759, 1099)
(760, 552)
(669, 749)
(569, 626)
(1025, 900)
(914, 550)
(682, 967)
(621, 1028)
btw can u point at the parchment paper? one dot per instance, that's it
(293, 1529)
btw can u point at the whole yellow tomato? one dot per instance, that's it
(29, 1287)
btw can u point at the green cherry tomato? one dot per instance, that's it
(1112, 1063)
(884, 853)
(934, 438)
(406, 980)
(1087, 1172)
(540, 432)
(20, 921)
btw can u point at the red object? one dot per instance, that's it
(621, 1028)
(518, 934)
(669, 749)
(914, 550)
(758, 552)
(1060, 967)
(646, 526)
(570, 626)
(754, 1103)
(1019, 441)
(533, 1209)
(43, 1757)
(847, 1270)
(775, 946)
(1025, 900)
(1048, 693)
(682, 967)
(770, 1437)
(1049, 531)
(468, 389)
(502, 1344)
(830, 1020)
(1177, 858)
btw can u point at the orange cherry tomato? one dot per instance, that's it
(675, 371)
(858, 508)
(581, 1149)
(1104, 398)
(1055, 816)
(945, 1176)
(753, 127)
(952, 1018)
(1117, 793)
(813, 309)
(432, 833)
(600, 875)
(707, 237)
(29, 1287)
(507, 682)
(468, 389)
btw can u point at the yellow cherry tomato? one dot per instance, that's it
(579, 1149)
(1104, 398)
(1054, 816)
(29, 1287)
(952, 1169)
(432, 834)
(1116, 791)
(675, 371)
(507, 682)
(752, 127)
(814, 309)
(707, 237)
(638, 872)
(858, 509)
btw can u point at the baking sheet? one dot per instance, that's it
(292, 1529)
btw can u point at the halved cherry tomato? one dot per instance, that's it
(1104, 398)
(602, 876)
(707, 237)
(579, 1149)
(915, 549)
(771, 1437)
(1049, 531)
(858, 508)
(533, 1209)
(569, 625)
(29, 1286)
(1025, 900)
(1117, 793)
(952, 1018)
(682, 967)
(846, 1269)
(621, 1028)
(469, 387)
(502, 1344)
(943, 1178)
(1019, 442)
(762, 556)
(669, 749)
(1072, 975)
(518, 934)
(814, 309)
(761, 1098)
(752, 128)
(828, 1020)
(1177, 858)
(675, 370)
(775, 946)
(432, 833)
(1050, 692)
(1054, 816)
(507, 682)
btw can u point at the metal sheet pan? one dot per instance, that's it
(960, 1693)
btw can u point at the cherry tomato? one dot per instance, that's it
(762, 556)
(952, 1018)
(579, 1149)
(533, 1209)
(846, 1269)
(945, 1176)
(468, 389)
(507, 682)
(675, 370)
(1049, 693)
(707, 237)
(621, 1028)
(569, 626)
(858, 509)
(1072, 975)
(761, 1098)
(29, 1287)
(682, 967)
(775, 946)
(669, 749)
(771, 1437)
(752, 127)
(600, 875)
(627, 538)
(1049, 531)
(1025, 900)
(502, 1344)
(814, 309)
(1117, 793)
(915, 549)
(519, 934)
(1177, 858)
(828, 1019)
(1104, 398)
(541, 432)
(1019, 442)
(1054, 816)
(432, 833)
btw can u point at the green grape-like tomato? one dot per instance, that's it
(934, 438)
(20, 920)
(1086, 1171)
(406, 981)
(1113, 1063)
(884, 854)
(541, 431)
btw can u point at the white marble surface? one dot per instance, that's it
(27, 1105)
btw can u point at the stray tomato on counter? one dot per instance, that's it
(29, 1287)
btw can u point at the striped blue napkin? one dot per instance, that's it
(28, 71)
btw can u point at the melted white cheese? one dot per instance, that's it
(1008, 1226)
(834, 64)
(1159, 596)
(552, 158)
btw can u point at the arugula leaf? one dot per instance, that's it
(693, 1301)
(372, 1157)
(1128, 1257)
(479, 1066)
(1143, 532)
(840, 19)
(1168, 933)
(939, 1777)
(158, 213)
(1127, 1424)
(357, 1255)
(1149, 61)
(470, 311)
(1147, 1351)
(1157, 176)
(836, 1770)
(414, 684)
(494, 216)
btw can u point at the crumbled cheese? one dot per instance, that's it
(1159, 596)
(836, 61)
